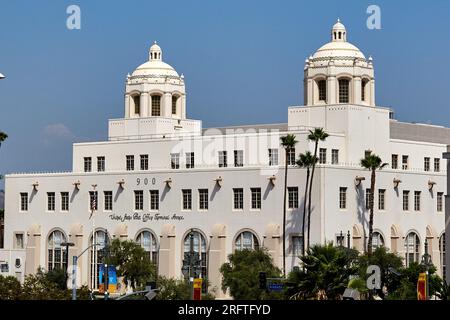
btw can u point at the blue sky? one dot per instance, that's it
(242, 61)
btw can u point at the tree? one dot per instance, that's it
(373, 163)
(316, 135)
(325, 274)
(241, 274)
(305, 160)
(176, 289)
(3, 137)
(131, 262)
(288, 142)
(389, 263)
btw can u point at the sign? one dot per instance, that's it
(111, 279)
(422, 287)
(198, 288)
(275, 287)
(145, 217)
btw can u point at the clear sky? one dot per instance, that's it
(242, 60)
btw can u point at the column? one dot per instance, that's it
(166, 105)
(183, 106)
(127, 106)
(166, 266)
(272, 242)
(33, 250)
(144, 104)
(372, 93)
(357, 90)
(217, 257)
(331, 90)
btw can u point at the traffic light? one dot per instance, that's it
(262, 281)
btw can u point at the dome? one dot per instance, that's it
(338, 47)
(155, 66)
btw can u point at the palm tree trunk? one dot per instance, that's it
(284, 213)
(310, 191)
(372, 196)
(304, 210)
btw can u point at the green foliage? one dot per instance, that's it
(372, 162)
(241, 274)
(324, 273)
(387, 262)
(173, 289)
(131, 262)
(3, 137)
(10, 288)
(2, 211)
(289, 141)
(318, 134)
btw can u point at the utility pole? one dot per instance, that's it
(67, 245)
(191, 263)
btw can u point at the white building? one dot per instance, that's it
(160, 175)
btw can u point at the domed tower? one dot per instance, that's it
(339, 73)
(155, 89)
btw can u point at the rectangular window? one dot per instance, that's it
(344, 91)
(203, 199)
(87, 164)
(175, 160)
(426, 164)
(437, 164)
(322, 155)
(363, 89)
(130, 163)
(273, 157)
(238, 158)
(18, 241)
(64, 201)
(368, 199)
(256, 198)
(189, 160)
(238, 198)
(223, 163)
(93, 200)
(342, 198)
(405, 162)
(439, 199)
(154, 200)
(292, 197)
(291, 157)
(50, 201)
(108, 200)
(405, 200)
(394, 161)
(144, 161)
(297, 245)
(322, 86)
(100, 164)
(138, 200)
(156, 106)
(187, 199)
(174, 104)
(417, 200)
(137, 104)
(381, 199)
(24, 201)
(334, 156)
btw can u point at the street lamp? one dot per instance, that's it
(191, 263)
(74, 271)
(426, 262)
(67, 245)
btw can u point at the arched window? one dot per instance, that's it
(97, 255)
(340, 34)
(412, 248)
(442, 254)
(195, 253)
(156, 105)
(322, 86)
(246, 240)
(344, 91)
(57, 257)
(377, 240)
(147, 240)
(137, 104)
(174, 104)
(363, 89)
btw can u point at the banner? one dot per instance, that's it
(111, 279)
(197, 289)
(422, 287)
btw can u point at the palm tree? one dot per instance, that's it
(373, 163)
(305, 160)
(288, 142)
(3, 137)
(316, 135)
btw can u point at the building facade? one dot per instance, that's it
(161, 176)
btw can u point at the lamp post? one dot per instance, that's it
(67, 245)
(74, 271)
(191, 263)
(426, 262)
